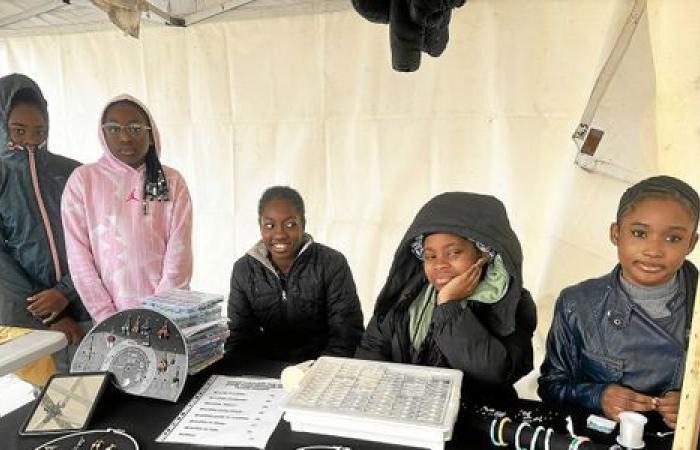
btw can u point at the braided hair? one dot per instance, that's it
(660, 187)
(155, 185)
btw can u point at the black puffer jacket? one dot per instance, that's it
(312, 311)
(491, 344)
(26, 260)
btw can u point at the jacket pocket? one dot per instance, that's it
(601, 369)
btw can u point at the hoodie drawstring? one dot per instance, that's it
(44, 215)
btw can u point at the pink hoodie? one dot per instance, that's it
(116, 254)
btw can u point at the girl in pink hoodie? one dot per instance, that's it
(127, 219)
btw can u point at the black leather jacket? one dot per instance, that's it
(600, 337)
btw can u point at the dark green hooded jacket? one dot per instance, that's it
(26, 258)
(490, 344)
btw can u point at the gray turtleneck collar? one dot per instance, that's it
(654, 300)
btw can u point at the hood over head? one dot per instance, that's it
(10, 86)
(476, 217)
(127, 98)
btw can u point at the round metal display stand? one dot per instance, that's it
(144, 350)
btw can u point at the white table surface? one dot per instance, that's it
(28, 348)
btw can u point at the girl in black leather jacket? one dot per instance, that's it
(618, 342)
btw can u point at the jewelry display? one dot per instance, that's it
(144, 361)
(107, 439)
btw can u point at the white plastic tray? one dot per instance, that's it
(378, 401)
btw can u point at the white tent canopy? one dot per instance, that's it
(302, 93)
(53, 16)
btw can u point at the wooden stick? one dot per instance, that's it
(686, 437)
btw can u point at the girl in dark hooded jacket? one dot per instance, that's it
(36, 289)
(454, 296)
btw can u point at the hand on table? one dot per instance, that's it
(616, 399)
(74, 333)
(667, 405)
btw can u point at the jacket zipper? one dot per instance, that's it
(283, 285)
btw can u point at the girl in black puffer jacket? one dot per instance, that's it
(454, 297)
(292, 299)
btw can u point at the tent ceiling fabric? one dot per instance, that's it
(51, 16)
(125, 14)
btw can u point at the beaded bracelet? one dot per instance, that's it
(577, 441)
(548, 438)
(517, 435)
(533, 440)
(492, 432)
(502, 442)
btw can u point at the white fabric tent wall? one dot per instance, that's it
(310, 100)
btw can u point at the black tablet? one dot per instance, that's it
(66, 403)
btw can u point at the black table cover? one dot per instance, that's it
(146, 418)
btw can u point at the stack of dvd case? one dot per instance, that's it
(198, 316)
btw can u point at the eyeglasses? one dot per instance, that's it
(113, 129)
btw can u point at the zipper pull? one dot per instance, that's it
(284, 295)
